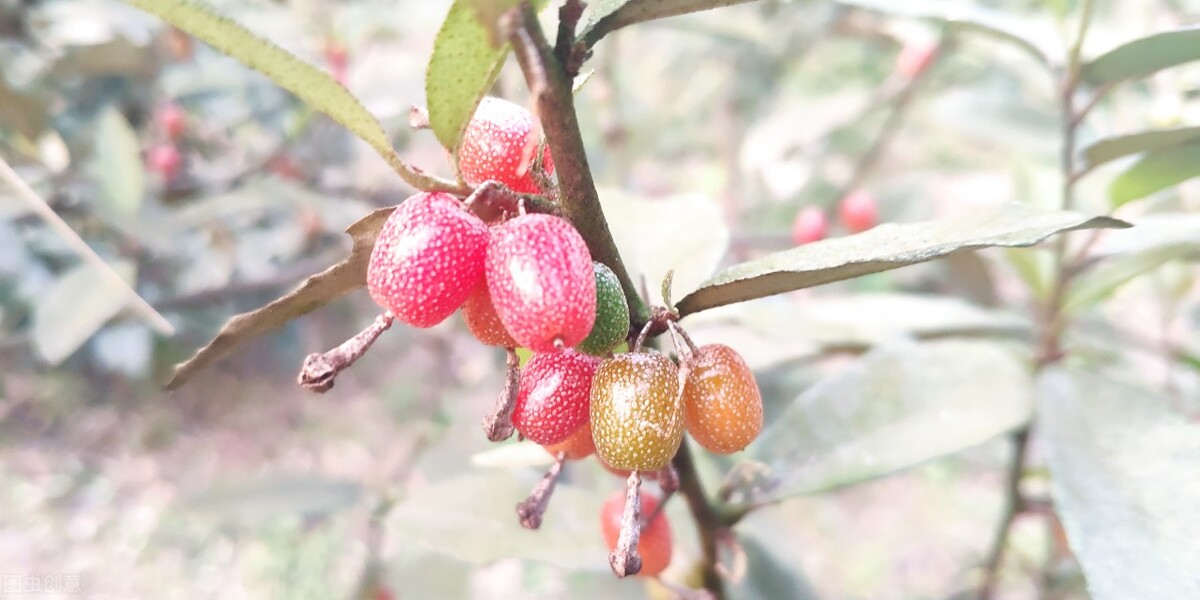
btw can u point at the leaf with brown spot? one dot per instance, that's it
(315, 292)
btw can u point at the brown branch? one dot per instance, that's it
(1014, 505)
(708, 521)
(551, 89)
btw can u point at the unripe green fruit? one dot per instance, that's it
(637, 411)
(612, 314)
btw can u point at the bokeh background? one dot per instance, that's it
(707, 134)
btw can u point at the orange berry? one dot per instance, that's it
(482, 320)
(578, 445)
(722, 405)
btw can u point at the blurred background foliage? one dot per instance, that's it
(707, 134)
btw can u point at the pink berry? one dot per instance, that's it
(172, 120)
(810, 225)
(539, 272)
(499, 144)
(858, 211)
(165, 159)
(427, 259)
(914, 58)
(552, 401)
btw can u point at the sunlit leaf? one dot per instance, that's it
(888, 246)
(1125, 474)
(1109, 149)
(1155, 171)
(315, 292)
(117, 164)
(312, 85)
(1144, 56)
(895, 407)
(75, 308)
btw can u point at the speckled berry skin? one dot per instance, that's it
(482, 320)
(428, 257)
(654, 545)
(497, 145)
(722, 405)
(637, 411)
(553, 397)
(612, 314)
(577, 446)
(539, 273)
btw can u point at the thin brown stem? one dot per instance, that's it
(532, 509)
(625, 559)
(708, 521)
(1014, 505)
(318, 372)
(498, 425)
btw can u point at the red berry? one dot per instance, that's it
(552, 400)
(810, 225)
(539, 273)
(914, 58)
(166, 160)
(337, 58)
(499, 144)
(858, 212)
(723, 408)
(654, 545)
(482, 320)
(427, 259)
(578, 445)
(171, 119)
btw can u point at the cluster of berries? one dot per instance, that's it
(857, 211)
(528, 280)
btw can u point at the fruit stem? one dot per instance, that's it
(550, 87)
(531, 510)
(625, 559)
(318, 372)
(498, 425)
(676, 329)
(641, 338)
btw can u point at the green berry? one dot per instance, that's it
(612, 314)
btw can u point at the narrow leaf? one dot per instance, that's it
(315, 292)
(888, 246)
(308, 83)
(462, 68)
(895, 407)
(1109, 149)
(1125, 475)
(988, 22)
(118, 166)
(1154, 172)
(1108, 276)
(610, 15)
(1144, 56)
(75, 308)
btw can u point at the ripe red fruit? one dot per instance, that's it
(914, 58)
(637, 411)
(539, 273)
(499, 144)
(858, 211)
(166, 160)
(578, 445)
(810, 225)
(722, 405)
(482, 320)
(337, 59)
(654, 545)
(552, 400)
(428, 257)
(171, 120)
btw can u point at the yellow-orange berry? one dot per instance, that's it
(722, 405)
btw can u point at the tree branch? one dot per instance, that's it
(551, 90)
(708, 521)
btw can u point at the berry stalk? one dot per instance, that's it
(625, 559)
(498, 426)
(318, 372)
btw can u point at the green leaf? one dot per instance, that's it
(461, 70)
(888, 246)
(1144, 56)
(312, 85)
(973, 18)
(315, 292)
(606, 16)
(472, 518)
(770, 573)
(118, 166)
(1102, 280)
(1125, 476)
(895, 407)
(253, 502)
(1109, 149)
(75, 308)
(1154, 172)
